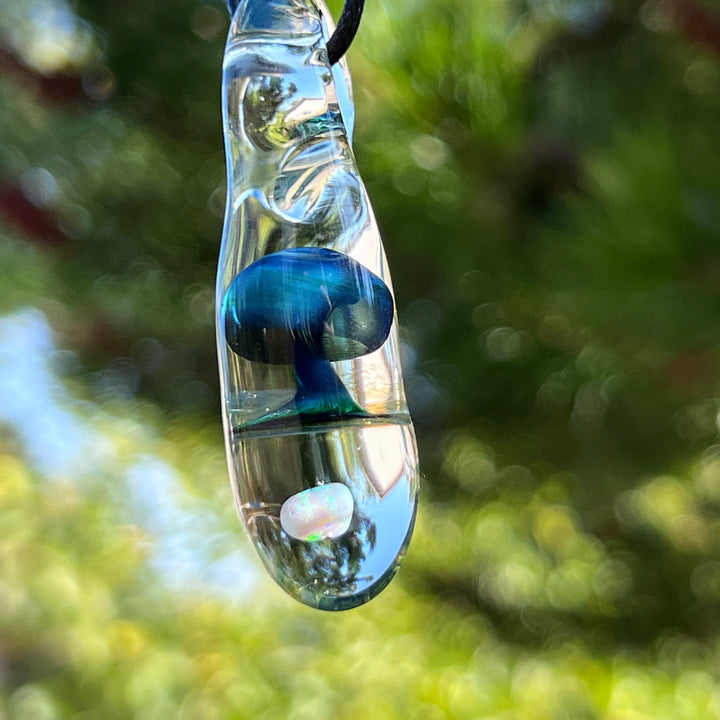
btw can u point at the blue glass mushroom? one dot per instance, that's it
(307, 307)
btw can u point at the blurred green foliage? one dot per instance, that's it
(547, 177)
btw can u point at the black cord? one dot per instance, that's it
(345, 31)
(347, 26)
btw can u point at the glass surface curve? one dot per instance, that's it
(321, 449)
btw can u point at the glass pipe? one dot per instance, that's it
(321, 449)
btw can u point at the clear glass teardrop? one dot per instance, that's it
(321, 449)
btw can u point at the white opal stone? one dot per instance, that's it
(318, 513)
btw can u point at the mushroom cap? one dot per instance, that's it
(321, 298)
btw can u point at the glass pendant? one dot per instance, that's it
(321, 449)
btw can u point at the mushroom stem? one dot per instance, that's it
(321, 394)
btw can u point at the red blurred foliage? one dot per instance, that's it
(37, 223)
(689, 372)
(699, 23)
(53, 88)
